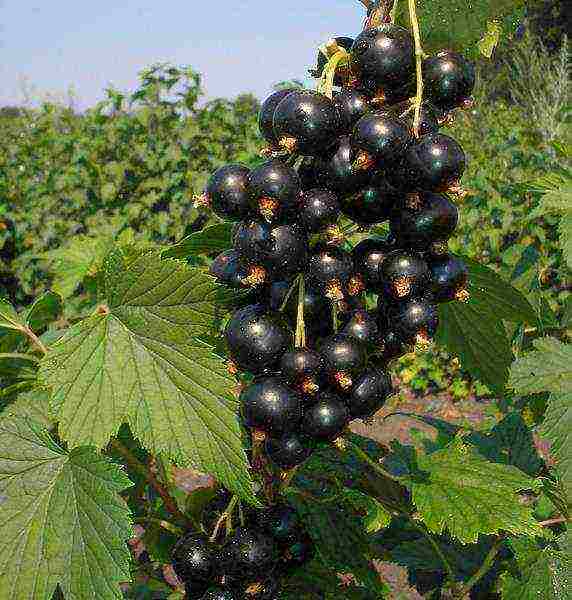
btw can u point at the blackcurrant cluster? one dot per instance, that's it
(269, 545)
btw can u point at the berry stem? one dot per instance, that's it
(35, 340)
(335, 320)
(289, 293)
(225, 518)
(372, 463)
(418, 65)
(300, 341)
(484, 568)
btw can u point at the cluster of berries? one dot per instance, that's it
(249, 564)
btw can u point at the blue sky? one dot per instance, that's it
(50, 46)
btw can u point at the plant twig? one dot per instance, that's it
(300, 341)
(162, 523)
(555, 521)
(35, 340)
(226, 518)
(372, 463)
(423, 531)
(484, 568)
(418, 65)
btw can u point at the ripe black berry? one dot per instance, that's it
(306, 122)
(330, 269)
(405, 275)
(273, 189)
(336, 172)
(383, 57)
(218, 594)
(449, 277)
(343, 42)
(415, 321)
(363, 326)
(256, 338)
(227, 192)
(423, 219)
(344, 357)
(317, 313)
(195, 590)
(449, 79)
(429, 116)
(352, 105)
(194, 558)
(307, 173)
(435, 163)
(319, 208)
(290, 450)
(326, 419)
(266, 115)
(229, 269)
(271, 406)
(249, 553)
(369, 393)
(392, 345)
(282, 522)
(379, 139)
(372, 204)
(280, 249)
(368, 256)
(302, 367)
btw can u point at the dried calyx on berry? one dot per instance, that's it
(415, 321)
(330, 270)
(363, 325)
(303, 368)
(344, 357)
(229, 268)
(404, 275)
(449, 277)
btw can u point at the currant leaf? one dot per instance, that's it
(211, 239)
(43, 311)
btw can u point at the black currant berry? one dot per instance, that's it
(306, 122)
(363, 325)
(290, 450)
(269, 405)
(392, 345)
(282, 522)
(383, 57)
(249, 553)
(227, 192)
(307, 173)
(449, 276)
(429, 116)
(405, 275)
(330, 269)
(371, 390)
(326, 419)
(341, 42)
(317, 313)
(266, 115)
(218, 594)
(318, 209)
(336, 172)
(256, 338)
(352, 105)
(274, 189)
(298, 552)
(195, 590)
(449, 79)
(228, 268)
(423, 219)
(280, 249)
(435, 163)
(368, 256)
(379, 139)
(194, 558)
(415, 321)
(344, 357)
(372, 204)
(303, 368)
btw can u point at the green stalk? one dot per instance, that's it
(418, 64)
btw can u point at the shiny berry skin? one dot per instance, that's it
(369, 393)
(195, 590)
(343, 42)
(352, 105)
(383, 57)
(299, 552)
(301, 364)
(326, 419)
(280, 249)
(229, 269)
(269, 405)
(227, 191)
(344, 357)
(257, 338)
(329, 270)
(336, 172)
(282, 522)
(418, 226)
(393, 346)
(363, 326)
(307, 120)
(307, 173)
(318, 209)
(372, 204)
(266, 115)
(317, 313)
(449, 79)
(405, 275)
(290, 450)
(382, 137)
(218, 594)
(274, 189)
(429, 116)
(414, 319)
(194, 558)
(449, 276)
(249, 553)
(368, 256)
(435, 163)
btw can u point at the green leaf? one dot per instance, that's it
(209, 240)
(375, 515)
(63, 521)
(542, 572)
(565, 231)
(490, 39)
(557, 429)
(456, 490)
(14, 365)
(139, 362)
(9, 318)
(43, 311)
(33, 405)
(547, 369)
